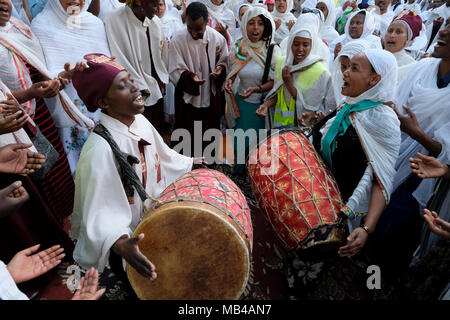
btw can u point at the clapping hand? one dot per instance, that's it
(197, 80)
(436, 224)
(68, 71)
(88, 289)
(15, 160)
(27, 264)
(13, 122)
(9, 106)
(247, 93)
(409, 123)
(357, 240)
(228, 86)
(427, 167)
(12, 198)
(46, 89)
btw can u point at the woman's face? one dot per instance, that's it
(5, 12)
(323, 7)
(217, 2)
(255, 29)
(270, 7)
(123, 100)
(359, 77)
(242, 11)
(301, 47)
(345, 63)
(396, 37)
(356, 26)
(161, 8)
(72, 6)
(383, 5)
(281, 5)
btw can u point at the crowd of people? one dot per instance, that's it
(89, 88)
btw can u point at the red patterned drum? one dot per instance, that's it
(296, 190)
(199, 237)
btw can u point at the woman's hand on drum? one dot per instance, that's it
(249, 92)
(128, 249)
(356, 241)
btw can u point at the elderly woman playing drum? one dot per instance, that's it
(125, 155)
(360, 144)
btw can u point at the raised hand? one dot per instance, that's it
(287, 75)
(26, 265)
(88, 289)
(277, 23)
(68, 70)
(307, 118)
(12, 198)
(46, 89)
(409, 123)
(128, 249)
(13, 159)
(13, 122)
(427, 167)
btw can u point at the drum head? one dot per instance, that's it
(197, 253)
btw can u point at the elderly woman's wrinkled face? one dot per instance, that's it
(281, 5)
(359, 77)
(396, 37)
(5, 12)
(72, 6)
(323, 7)
(255, 29)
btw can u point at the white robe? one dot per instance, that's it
(283, 31)
(108, 6)
(187, 54)
(129, 43)
(405, 63)
(102, 213)
(431, 106)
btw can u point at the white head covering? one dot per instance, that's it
(280, 15)
(283, 30)
(385, 65)
(348, 50)
(328, 31)
(220, 14)
(171, 20)
(237, 8)
(315, 21)
(66, 38)
(369, 25)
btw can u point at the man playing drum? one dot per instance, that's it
(124, 156)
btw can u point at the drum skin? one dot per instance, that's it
(199, 237)
(297, 191)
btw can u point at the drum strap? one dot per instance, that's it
(125, 161)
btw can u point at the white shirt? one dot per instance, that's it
(8, 288)
(102, 213)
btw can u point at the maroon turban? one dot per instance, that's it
(93, 83)
(413, 22)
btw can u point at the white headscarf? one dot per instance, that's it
(220, 14)
(283, 31)
(171, 20)
(66, 38)
(236, 9)
(385, 65)
(328, 31)
(379, 131)
(316, 22)
(367, 34)
(349, 50)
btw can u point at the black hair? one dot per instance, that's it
(267, 34)
(197, 10)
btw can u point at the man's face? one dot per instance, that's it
(196, 28)
(151, 8)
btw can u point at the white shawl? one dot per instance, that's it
(20, 43)
(379, 132)
(431, 106)
(283, 31)
(220, 14)
(128, 42)
(108, 6)
(328, 31)
(405, 63)
(187, 54)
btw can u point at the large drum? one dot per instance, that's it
(199, 237)
(296, 190)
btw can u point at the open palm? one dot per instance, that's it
(25, 265)
(427, 167)
(14, 159)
